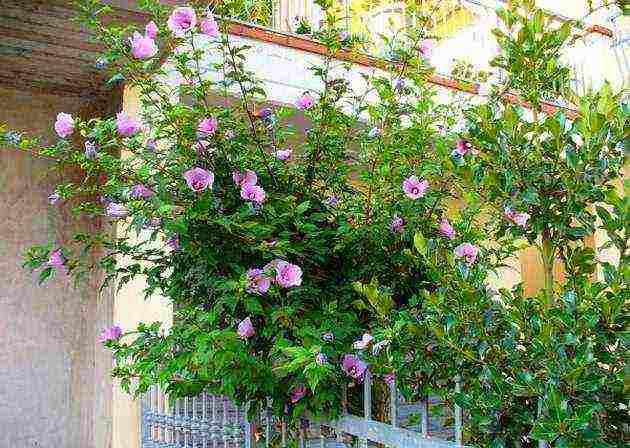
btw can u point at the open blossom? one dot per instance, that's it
(374, 132)
(143, 47)
(305, 102)
(182, 20)
(354, 367)
(298, 393)
(258, 282)
(332, 201)
(253, 193)
(64, 126)
(321, 359)
(209, 26)
(56, 259)
(116, 210)
(465, 147)
(151, 30)
(54, 198)
(390, 379)
(467, 251)
(199, 179)
(426, 47)
(207, 127)
(141, 191)
(397, 225)
(229, 134)
(284, 154)
(363, 343)
(203, 147)
(90, 149)
(242, 178)
(446, 229)
(126, 125)
(328, 337)
(245, 329)
(173, 243)
(520, 219)
(287, 274)
(415, 188)
(110, 334)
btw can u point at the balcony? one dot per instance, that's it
(462, 33)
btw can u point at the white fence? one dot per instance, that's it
(208, 421)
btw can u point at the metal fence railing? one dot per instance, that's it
(208, 421)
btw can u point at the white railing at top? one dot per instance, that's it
(593, 60)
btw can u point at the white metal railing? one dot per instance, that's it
(593, 60)
(208, 421)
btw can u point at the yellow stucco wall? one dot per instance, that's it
(130, 309)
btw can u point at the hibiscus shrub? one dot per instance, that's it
(296, 261)
(268, 243)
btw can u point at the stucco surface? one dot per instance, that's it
(55, 391)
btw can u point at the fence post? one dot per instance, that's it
(541, 443)
(250, 428)
(424, 417)
(393, 404)
(458, 413)
(367, 403)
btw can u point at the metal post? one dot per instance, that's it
(367, 403)
(424, 417)
(458, 413)
(393, 404)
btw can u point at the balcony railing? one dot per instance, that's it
(462, 30)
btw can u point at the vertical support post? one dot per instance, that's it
(250, 428)
(367, 403)
(214, 431)
(344, 410)
(458, 413)
(144, 430)
(302, 434)
(424, 417)
(204, 417)
(226, 433)
(393, 404)
(284, 427)
(268, 424)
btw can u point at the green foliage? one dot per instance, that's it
(548, 367)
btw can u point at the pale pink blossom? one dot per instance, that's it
(426, 47)
(126, 125)
(376, 348)
(116, 210)
(151, 30)
(354, 367)
(143, 47)
(56, 259)
(364, 342)
(110, 334)
(141, 191)
(246, 329)
(173, 243)
(415, 188)
(209, 26)
(207, 127)
(520, 219)
(397, 225)
(199, 179)
(257, 281)
(182, 20)
(64, 126)
(305, 102)
(287, 274)
(242, 178)
(298, 393)
(390, 379)
(284, 154)
(465, 147)
(253, 193)
(467, 251)
(446, 229)
(54, 198)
